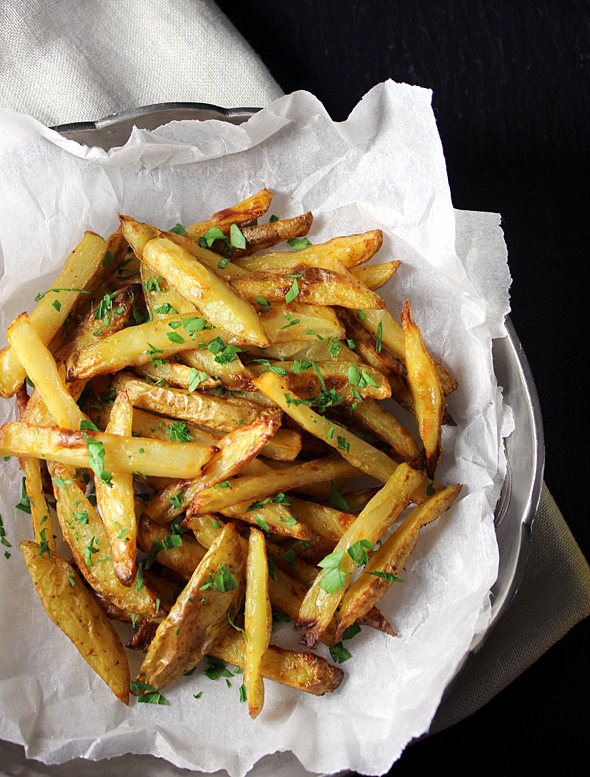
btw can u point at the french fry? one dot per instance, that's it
(181, 553)
(235, 451)
(429, 401)
(249, 487)
(261, 236)
(54, 306)
(303, 671)
(373, 276)
(116, 503)
(387, 563)
(358, 500)
(212, 412)
(176, 375)
(72, 607)
(384, 425)
(241, 213)
(324, 596)
(315, 286)
(87, 537)
(257, 620)
(40, 513)
(310, 349)
(136, 454)
(138, 345)
(356, 451)
(40, 365)
(348, 251)
(284, 323)
(275, 518)
(325, 521)
(192, 626)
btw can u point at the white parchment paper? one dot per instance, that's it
(384, 167)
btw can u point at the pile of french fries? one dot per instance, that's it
(192, 409)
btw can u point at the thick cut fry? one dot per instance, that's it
(181, 553)
(136, 454)
(251, 487)
(315, 286)
(86, 535)
(388, 562)
(235, 451)
(325, 521)
(429, 401)
(212, 412)
(40, 514)
(275, 518)
(161, 298)
(72, 607)
(243, 212)
(349, 251)
(207, 291)
(117, 502)
(358, 500)
(323, 597)
(176, 375)
(54, 306)
(257, 620)
(153, 342)
(304, 671)
(309, 349)
(41, 368)
(386, 426)
(284, 323)
(261, 236)
(358, 452)
(373, 276)
(192, 626)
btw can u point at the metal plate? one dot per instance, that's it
(514, 513)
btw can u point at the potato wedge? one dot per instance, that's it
(349, 251)
(313, 285)
(212, 412)
(152, 342)
(387, 563)
(429, 401)
(373, 276)
(136, 454)
(235, 451)
(249, 487)
(384, 425)
(325, 521)
(55, 304)
(166, 546)
(243, 212)
(41, 368)
(303, 671)
(117, 502)
(192, 626)
(359, 453)
(257, 620)
(72, 607)
(87, 537)
(324, 596)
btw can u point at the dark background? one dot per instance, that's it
(511, 94)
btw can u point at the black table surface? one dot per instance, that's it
(511, 94)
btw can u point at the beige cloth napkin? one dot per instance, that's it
(64, 61)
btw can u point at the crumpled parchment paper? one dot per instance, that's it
(383, 167)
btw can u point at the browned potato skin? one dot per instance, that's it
(429, 400)
(183, 559)
(192, 626)
(242, 212)
(261, 236)
(74, 610)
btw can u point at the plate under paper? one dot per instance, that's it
(383, 168)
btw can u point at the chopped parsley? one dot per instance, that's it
(339, 653)
(25, 502)
(178, 432)
(88, 426)
(336, 499)
(195, 379)
(90, 550)
(179, 229)
(147, 693)
(358, 552)
(223, 581)
(333, 578)
(152, 351)
(96, 460)
(379, 337)
(386, 576)
(297, 243)
(293, 292)
(351, 631)
(153, 282)
(237, 628)
(263, 525)
(164, 309)
(236, 237)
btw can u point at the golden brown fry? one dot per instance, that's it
(250, 487)
(284, 323)
(275, 518)
(72, 607)
(212, 412)
(314, 285)
(325, 521)
(257, 620)
(40, 365)
(358, 500)
(304, 671)
(40, 513)
(359, 453)
(78, 270)
(384, 425)
(176, 375)
(309, 349)
(164, 544)
(241, 213)
(323, 597)
(86, 535)
(373, 276)
(348, 251)
(116, 503)
(235, 451)
(260, 236)
(388, 562)
(192, 626)
(69, 447)
(429, 401)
